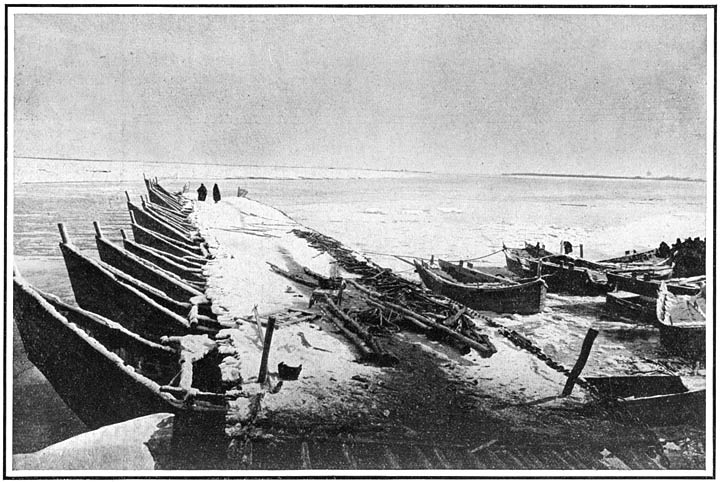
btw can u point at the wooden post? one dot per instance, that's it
(98, 231)
(239, 191)
(581, 250)
(63, 233)
(266, 349)
(123, 234)
(580, 363)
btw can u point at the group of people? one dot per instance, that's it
(202, 192)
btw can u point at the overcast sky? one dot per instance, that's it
(594, 94)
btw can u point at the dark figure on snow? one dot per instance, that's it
(216, 193)
(202, 192)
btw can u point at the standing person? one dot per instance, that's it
(202, 192)
(216, 193)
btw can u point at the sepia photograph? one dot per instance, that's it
(345, 241)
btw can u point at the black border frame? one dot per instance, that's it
(330, 475)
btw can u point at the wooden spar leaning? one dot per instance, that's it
(267, 341)
(581, 361)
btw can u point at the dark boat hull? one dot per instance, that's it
(648, 288)
(141, 270)
(559, 278)
(185, 272)
(659, 400)
(86, 376)
(152, 223)
(686, 341)
(157, 241)
(632, 307)
(525, 298)
(97, 290)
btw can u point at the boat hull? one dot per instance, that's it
(560, 279)
(527, 298)
(657, 400)
(135, 267)
(152, 223)
(97, 290)
(190, 275)
(631, 306)
(647, 288)
(89, 381)
(154, 240)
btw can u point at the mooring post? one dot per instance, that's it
(63, 233)
(580, 363)
(581, 250)
(123, 234)
(266, 349)
(98, 231)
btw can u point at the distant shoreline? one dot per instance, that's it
(211, 164)
(590, 176)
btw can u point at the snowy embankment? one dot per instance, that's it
(245, 236)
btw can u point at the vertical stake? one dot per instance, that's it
(98, 231)
(266, 349)
(580, 363)
(581, 250)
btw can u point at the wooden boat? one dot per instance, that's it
(631, 307)
(192, 247)
(191, 275)
(466, 273)
(572, 275)
(661, 399)
(681, 320)
(559, 271)
(651, 257)
(165, 213)
(182, 225)
(169, 201)
(96, 289)
(526, 298)
(150, 221)
(105, 373)
(648, 286)
(143, 270)
(163, 243)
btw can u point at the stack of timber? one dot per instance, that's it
(399, 301)
(500, 296)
